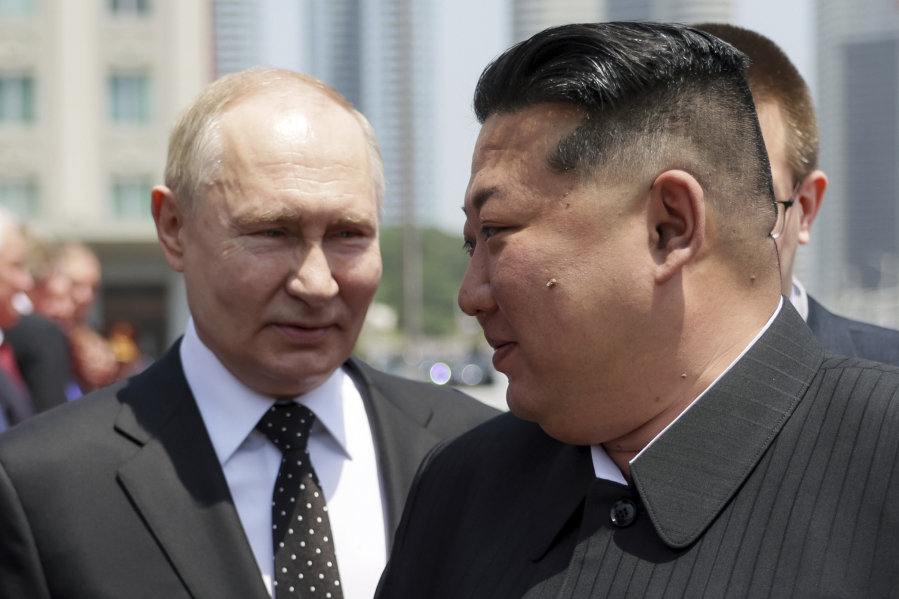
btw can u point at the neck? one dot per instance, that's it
(717, 336)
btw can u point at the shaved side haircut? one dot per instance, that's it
(773, 78)
(654, 97)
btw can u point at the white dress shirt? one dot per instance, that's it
(604, 467)
(341, 449)
(799, 299)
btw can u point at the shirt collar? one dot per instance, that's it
(799, 299)
(231, 410)
(604, 467)
(603, 464)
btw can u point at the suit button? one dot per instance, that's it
(624, 512)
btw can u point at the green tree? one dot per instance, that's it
(443, 266)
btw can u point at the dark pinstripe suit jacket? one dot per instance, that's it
(780, 482)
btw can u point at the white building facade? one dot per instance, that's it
(88, 92)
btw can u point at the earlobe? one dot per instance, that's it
(676, 222)
(810, 198)
(169, 224)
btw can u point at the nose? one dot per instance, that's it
(313, 282)
(476, 293)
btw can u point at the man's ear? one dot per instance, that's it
(676, 219)
(169, 225)
(811, 194)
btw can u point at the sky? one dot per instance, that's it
(472, 32)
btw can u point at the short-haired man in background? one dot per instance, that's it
(676, 429)
(787, 117)
(257, 457)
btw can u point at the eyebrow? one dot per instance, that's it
(292, 217)
(481, 197)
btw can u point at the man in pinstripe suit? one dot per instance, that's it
(676, 428)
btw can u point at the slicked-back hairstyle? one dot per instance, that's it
(195, 145)
(773, 78)
(654, 97)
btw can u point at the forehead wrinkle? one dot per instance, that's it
(288, 215)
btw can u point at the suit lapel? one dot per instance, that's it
(177, 485)
(399, 425)
(690, 473)
(566, 485)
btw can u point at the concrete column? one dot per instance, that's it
(79, 99)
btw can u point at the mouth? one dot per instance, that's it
(502, 349)
(305, 334)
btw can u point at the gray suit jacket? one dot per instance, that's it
(781, 481)
(851, 337)
(120, 493)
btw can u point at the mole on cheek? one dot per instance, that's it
(552, 283)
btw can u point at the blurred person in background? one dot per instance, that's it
(40, 344)
(82, 267)
(51, 295)
(93, 361)
(790, 128)
(15, 279)
(125, 350)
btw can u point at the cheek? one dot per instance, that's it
(529, 284)
(358, 278)
(235, 282)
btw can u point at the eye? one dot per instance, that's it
(489, 232)
(348, 234)
(272, 233)
(468, 248)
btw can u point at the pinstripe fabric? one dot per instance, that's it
(780, 482)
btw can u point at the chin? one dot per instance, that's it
(280, 384)
(521, 402)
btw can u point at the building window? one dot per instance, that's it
(871, 101)
(629, 10)
(129, 98)
(129, 7)
(20, 196)
(131, 198)
(237, 43)
(16, 99)
(16, 8)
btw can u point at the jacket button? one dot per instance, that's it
(624, 512)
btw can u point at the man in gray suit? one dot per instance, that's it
(677, 430)
(257, 458)
(790, 129)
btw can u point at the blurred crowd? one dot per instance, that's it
(51, 351)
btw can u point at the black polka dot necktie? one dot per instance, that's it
(305, 562)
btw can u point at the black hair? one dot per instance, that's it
(652, 94)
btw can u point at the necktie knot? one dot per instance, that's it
(287, 425)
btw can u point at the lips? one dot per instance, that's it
(305, 334)
(502, 349)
